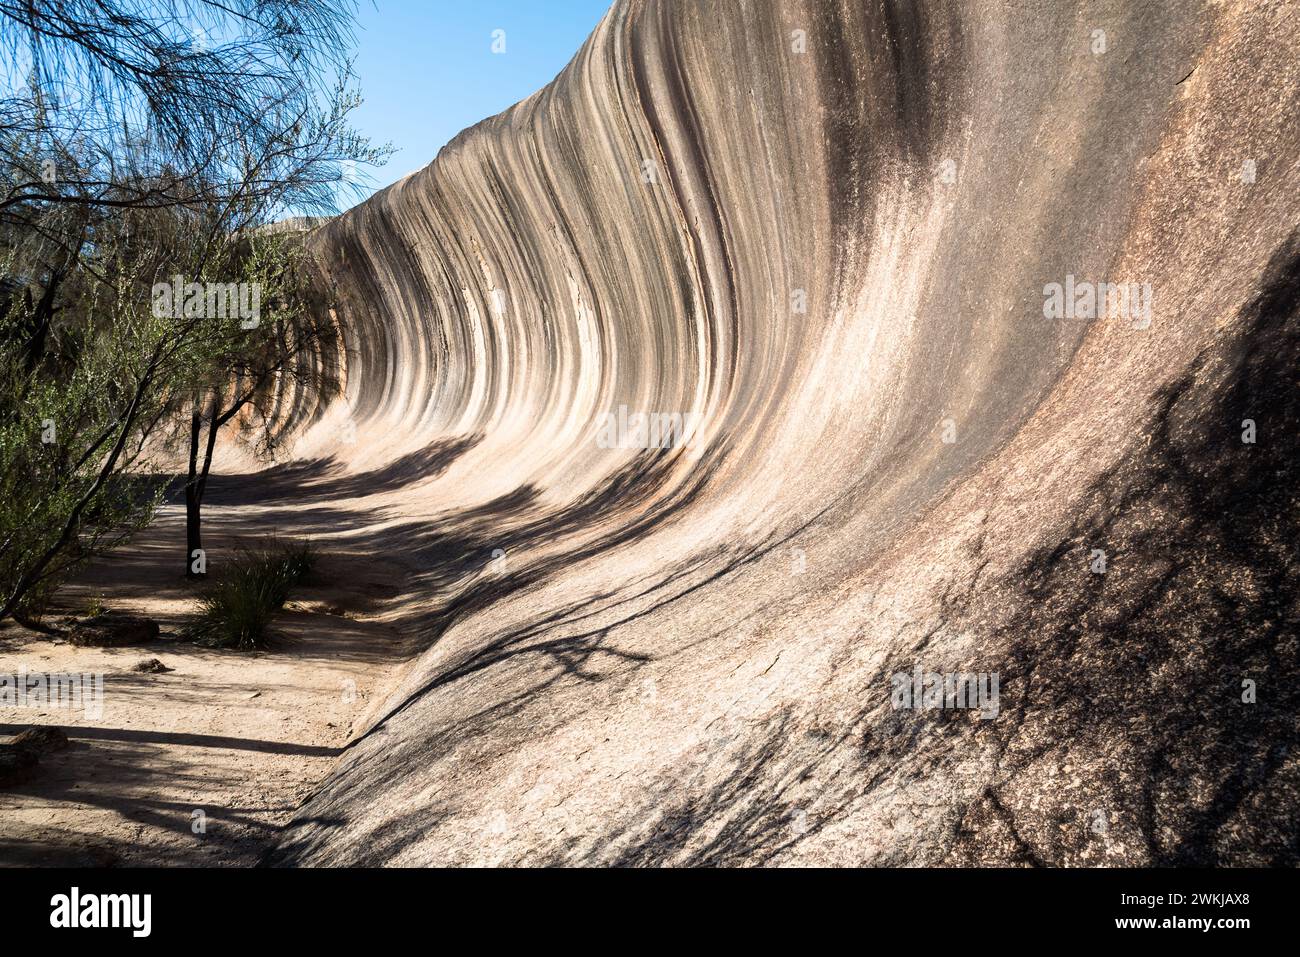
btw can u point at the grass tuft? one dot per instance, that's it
(237, 610)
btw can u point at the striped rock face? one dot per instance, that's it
(837, 433)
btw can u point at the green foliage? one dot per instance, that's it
(59, 419)
(135, 158)
(238, 607)
(114, 371)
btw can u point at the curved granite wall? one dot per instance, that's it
(825, 234)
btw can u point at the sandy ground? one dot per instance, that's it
(201, 764)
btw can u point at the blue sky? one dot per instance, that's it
(426, 67)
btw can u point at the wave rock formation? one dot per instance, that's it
(826, 234)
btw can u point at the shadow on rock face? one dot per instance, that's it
(326, 480)
(1127, 731)
(1151, 711)
(1148, 714)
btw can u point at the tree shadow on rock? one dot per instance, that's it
(1150, 712)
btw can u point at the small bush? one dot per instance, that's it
(238, 608)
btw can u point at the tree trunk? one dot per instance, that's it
(197, 480)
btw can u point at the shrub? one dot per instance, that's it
(238, 607)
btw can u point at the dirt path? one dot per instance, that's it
(200, 764)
